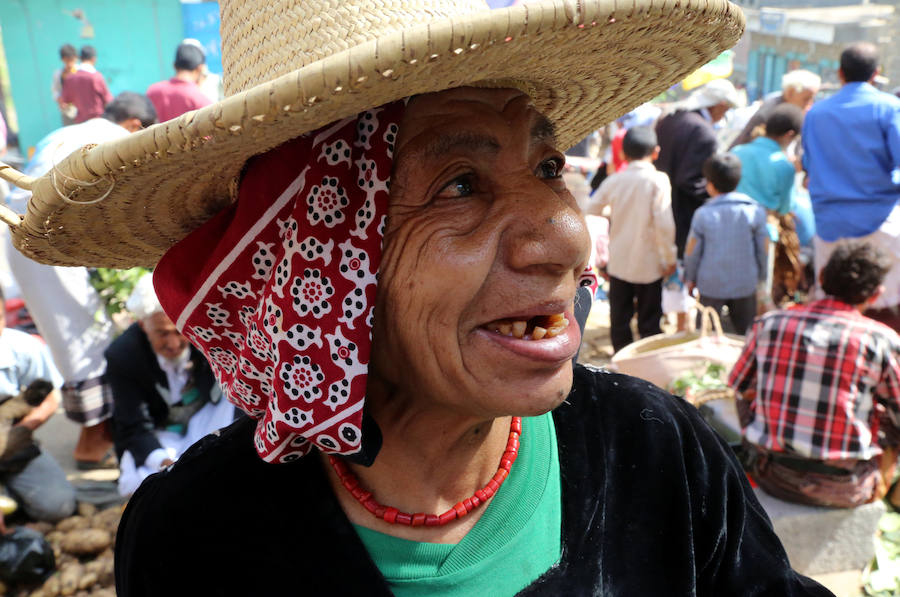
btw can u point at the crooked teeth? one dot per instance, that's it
(557, 323)
(518, 328)
(557, 327)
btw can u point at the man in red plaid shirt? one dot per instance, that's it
(819, 390)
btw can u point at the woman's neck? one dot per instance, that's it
(429, 460)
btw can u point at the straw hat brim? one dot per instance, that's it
(125, 202)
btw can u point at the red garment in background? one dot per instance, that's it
(174, 97)
(88, 91)
(618, 154)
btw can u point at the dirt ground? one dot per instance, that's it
(596, 348)
(58, 437)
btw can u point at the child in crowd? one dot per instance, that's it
(641, 237)
(725, 256)
(767, 172)
(768, 177)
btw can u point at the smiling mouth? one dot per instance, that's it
(540, 327)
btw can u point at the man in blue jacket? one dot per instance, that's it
(851, 153)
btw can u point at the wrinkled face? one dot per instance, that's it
(482, 255)
(164, 338)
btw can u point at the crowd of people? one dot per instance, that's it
(287, 326)
(81, 92)
(138, 394)
(817, 384)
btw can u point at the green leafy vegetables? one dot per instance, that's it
(115, 286)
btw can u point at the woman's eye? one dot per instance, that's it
(460, 186)
(551, 168)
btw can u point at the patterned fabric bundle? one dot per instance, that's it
(278, 290)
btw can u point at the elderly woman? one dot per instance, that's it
(432, 437)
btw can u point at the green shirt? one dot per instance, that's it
(515, 541)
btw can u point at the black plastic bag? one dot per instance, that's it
(25, 557)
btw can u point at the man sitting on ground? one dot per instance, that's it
(30, 475)
(62, 301)
(164, 394)
(819, 390)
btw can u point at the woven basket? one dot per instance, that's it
(700, 398)
(661, 358)
(294, 66)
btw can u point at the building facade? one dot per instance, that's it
(786, 37)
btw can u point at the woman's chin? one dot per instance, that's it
(531, 397)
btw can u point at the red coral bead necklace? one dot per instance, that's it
(394, 516)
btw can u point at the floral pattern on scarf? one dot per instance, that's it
(278, 290)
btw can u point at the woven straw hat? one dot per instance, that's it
(292, 66)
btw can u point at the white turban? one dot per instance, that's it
(143, 302)
(714, 92)
(190, 41)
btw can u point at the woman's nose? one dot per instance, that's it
(547, 231)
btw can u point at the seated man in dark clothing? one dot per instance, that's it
(819, 390)
(165, 396)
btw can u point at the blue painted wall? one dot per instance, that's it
(766, 66)
(135, 41)
(201, 21)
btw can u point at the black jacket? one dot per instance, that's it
(134, 376)
(654, 505)
(686, 139)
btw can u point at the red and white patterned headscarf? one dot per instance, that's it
(278, 290)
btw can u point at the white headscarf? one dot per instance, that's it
(143, 302)
(714, 92)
